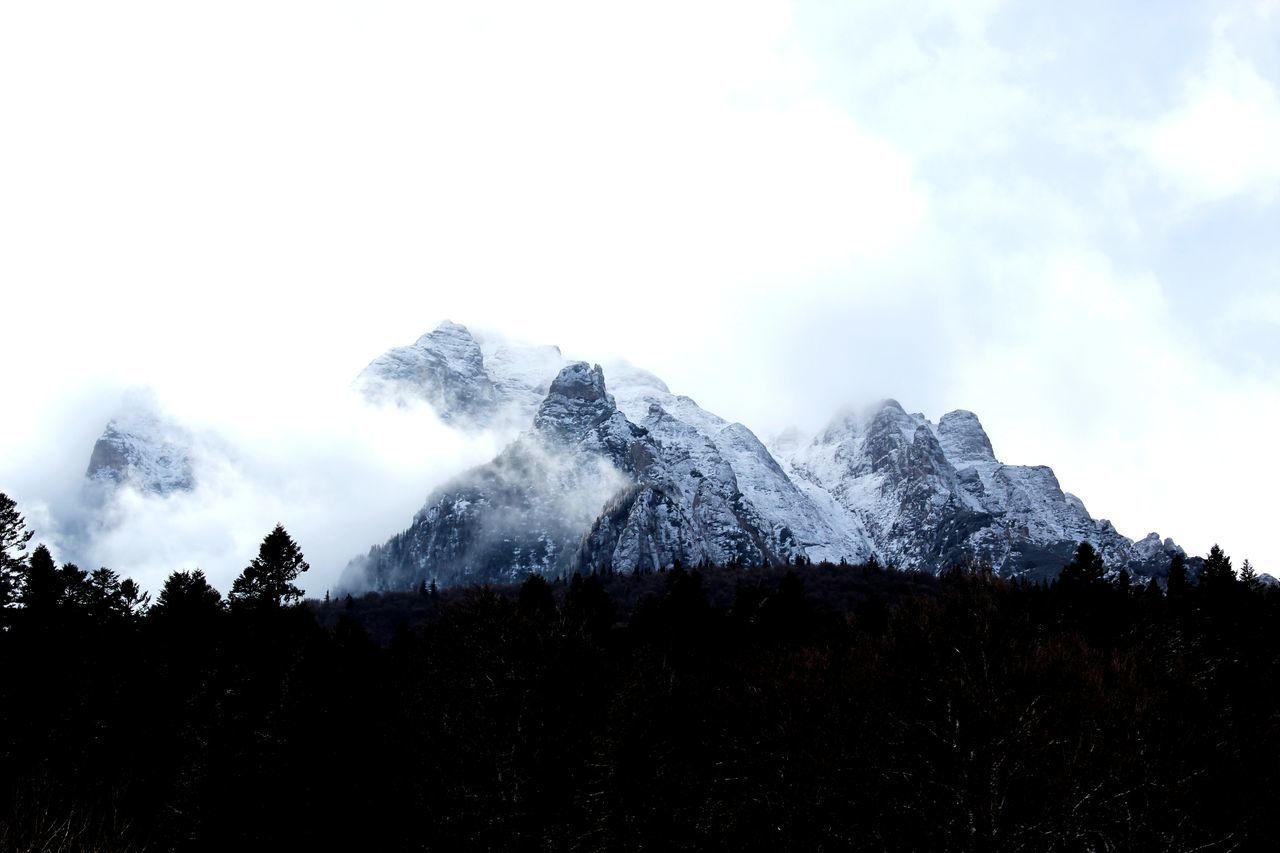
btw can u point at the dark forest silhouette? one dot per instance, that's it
(812, 707)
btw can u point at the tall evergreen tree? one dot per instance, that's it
(108, 598)
(268, 580)
(42, 584)
(74, 583)
(1248, 577)
(1217, 573)
(14, 537)
(133, 598)
(535, 600)
(588, 607)
(102, 594)
(186, 595)
(1085, 569)
(1178, 582)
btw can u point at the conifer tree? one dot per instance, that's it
(102, 594)
(535, 600)
(268, 580)
(74, 584)
(588, 607)
(134, 602)
(1178, 583)
(186, 593)
(14, 537)
(1125, 581)
(1085, 569)
(1217, 573)
(1248, 577)
(42, 587)
(108, 598)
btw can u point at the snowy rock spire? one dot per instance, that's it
(576, 403)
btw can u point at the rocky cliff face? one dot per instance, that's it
(444, 367)
(584, 489)
(633, 476)
(934, 494)
(141, 448)
(469, 381)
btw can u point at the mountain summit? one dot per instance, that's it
(470, 381)
(141, 448)
(624, 475)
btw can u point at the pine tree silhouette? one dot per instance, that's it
(186, 596)
(42, 586)
(14, 537)
(1085, 569)
(268, 580)
(1248, 577)
(1178, 582)
(1217, 573)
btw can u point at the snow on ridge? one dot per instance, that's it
(762, 480)
(926, 492)
(878, 480)
(521, 373)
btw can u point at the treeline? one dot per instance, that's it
(819, 707)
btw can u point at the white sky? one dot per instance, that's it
(1062, 216)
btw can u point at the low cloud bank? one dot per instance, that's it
(339, 474)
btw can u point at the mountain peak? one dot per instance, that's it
(668, 479)
(580, 381)
(963, 439)
(142, 447)
(576, 402)
(445, 367)
(448, 332)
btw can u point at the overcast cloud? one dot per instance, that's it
(1061, 216)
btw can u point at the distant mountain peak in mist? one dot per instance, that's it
(614, 472)
(469, 382)
(143, 448)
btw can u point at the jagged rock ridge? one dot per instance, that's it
(931, 495)
(633, 476)
(585, 488)
(468, 380)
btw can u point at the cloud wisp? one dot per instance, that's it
(338, 473)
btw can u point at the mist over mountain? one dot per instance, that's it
(603, 468)
(623, 475)
(143, 448)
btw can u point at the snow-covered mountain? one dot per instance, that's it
(585, 488)
(469, 381)
(607, 468)
(930, 495)
(142, 448)
(625, 474)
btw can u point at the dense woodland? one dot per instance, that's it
(813, 707)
